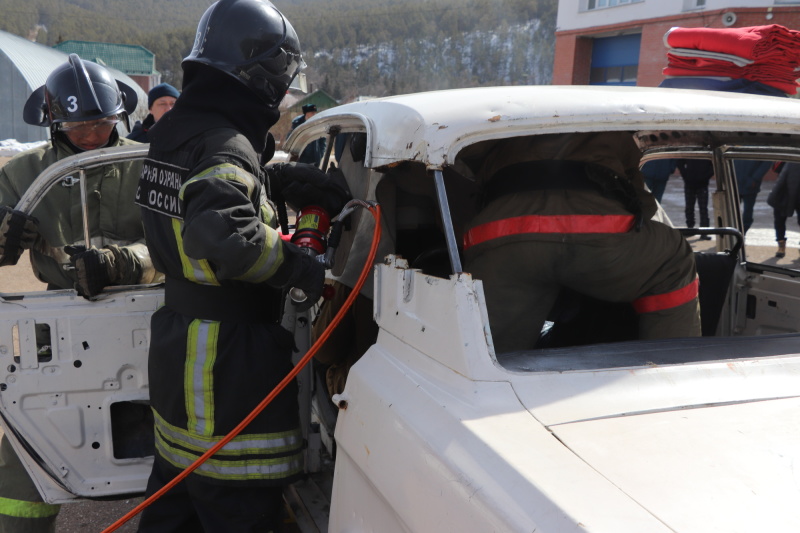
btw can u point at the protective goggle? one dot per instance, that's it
(271, 76)
(102, 126)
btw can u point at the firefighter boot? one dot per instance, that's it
(781, 249)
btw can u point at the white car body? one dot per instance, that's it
(434, 431)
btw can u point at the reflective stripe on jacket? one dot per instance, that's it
(548, 224)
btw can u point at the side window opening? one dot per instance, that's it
(44, 343)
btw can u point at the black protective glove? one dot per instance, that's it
(302, 185)
(96, 269)
(18, 232)
(300, 270)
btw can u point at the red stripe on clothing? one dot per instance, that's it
(548, 224)
(660, 302)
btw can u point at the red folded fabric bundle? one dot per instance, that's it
(755, 71)
(704, 54)
(759, 43)
(723, 52)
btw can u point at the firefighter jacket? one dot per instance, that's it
(599, 171)
(216, 347)
(615, 151)
(114, 219)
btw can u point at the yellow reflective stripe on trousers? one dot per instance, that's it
(23, 509)
(280, 442)
(233, 469)
(247, 457)
(201, 353)
(198, 270)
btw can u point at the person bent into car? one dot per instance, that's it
(570, 210)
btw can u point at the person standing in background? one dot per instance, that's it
(160, 99)
(785, 201)
(656, 174)
(696, 174)
(749, 175)
(315, 150)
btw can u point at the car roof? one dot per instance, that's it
(432, 127)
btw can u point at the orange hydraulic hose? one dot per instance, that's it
(376, 237)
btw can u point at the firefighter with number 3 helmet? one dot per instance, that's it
(81, 103)
(217, 348)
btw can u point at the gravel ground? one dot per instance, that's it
(94, 517)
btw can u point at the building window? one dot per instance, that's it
(615, 60)
(622, 75)
(600, 4)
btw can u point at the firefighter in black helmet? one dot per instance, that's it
(82, 104)
(217, 347)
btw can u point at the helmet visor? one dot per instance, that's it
(272, 76)
(102, 127)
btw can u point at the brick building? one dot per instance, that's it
(621, 42)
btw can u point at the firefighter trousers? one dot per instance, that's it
(698, 195)
(653, 268)
(196, 505)
(22, 509)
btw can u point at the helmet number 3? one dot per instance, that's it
(73, 103)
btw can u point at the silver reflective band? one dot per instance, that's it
(235, 470)
(252, 443)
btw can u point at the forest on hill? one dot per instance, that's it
(352, 47)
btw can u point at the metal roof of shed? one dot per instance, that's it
(25, 66)
(131, 59)
(33, 60)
